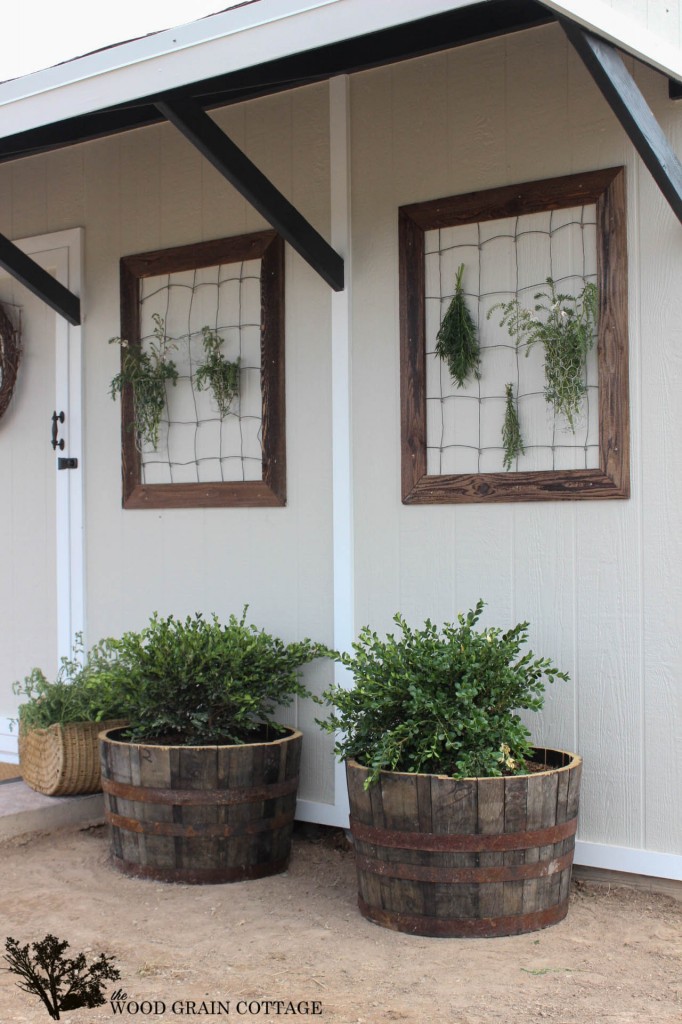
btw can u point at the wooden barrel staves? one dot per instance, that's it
(472, 857)
(200, 814)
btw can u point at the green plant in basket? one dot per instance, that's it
(196, 681)
(439, 700)
(218, 373)
(147, 371)
(84, 690)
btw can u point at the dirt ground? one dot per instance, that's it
(299, 938)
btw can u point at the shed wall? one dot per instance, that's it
(147, 190)
(598, 581)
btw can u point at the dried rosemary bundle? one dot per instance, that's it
(457, 339)
(511, 430)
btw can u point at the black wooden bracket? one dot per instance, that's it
(38, 281)
(202, 131)
(628, 104)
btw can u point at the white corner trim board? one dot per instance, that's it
(634, 862)
(623, 31)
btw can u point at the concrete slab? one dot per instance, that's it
(22, 810)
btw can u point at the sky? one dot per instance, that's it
(36, 34)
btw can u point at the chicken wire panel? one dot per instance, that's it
(504, 260)
(197, 444)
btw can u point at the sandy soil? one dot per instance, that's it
(299, 938)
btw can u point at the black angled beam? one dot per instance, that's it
(202, 131)
(625, 99)
(38, 281)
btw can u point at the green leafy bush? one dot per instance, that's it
(84, 690)
(196, 681)
(439, 701)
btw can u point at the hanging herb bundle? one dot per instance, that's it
(512, 441)
(217, 372)
(567, 333)
(457, 339)
(147, 371)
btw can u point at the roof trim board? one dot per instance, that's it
(235, 39)
(464, 24)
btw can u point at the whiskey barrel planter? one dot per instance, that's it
(471, 857)
(200, 814)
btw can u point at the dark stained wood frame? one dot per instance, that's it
(606, 189)
(267, 246)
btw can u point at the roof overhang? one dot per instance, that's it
(622, 31)
(266, 46)
(255, 34)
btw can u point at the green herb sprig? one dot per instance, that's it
(457, 339)
(566, 332)
(147, 371)
(218, 373)
(512, 442)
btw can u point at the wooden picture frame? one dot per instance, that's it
(267, 246)
(605, 189)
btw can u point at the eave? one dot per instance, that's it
(185, 99)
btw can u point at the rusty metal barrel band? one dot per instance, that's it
(199, 797)
(199, 830)
(201, 876)
(485, 927)
(463, 843)
(466, 875)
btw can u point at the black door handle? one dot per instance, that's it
(57, 418)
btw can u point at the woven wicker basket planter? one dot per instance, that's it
(63, 760)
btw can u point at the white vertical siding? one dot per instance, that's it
(150, 189)
(599, 581)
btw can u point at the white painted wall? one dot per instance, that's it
(599, 581)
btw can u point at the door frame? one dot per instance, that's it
(62, 253)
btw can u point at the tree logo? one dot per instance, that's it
(61, 983)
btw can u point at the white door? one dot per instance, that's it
(41, 557)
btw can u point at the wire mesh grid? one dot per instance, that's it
(507, 259)
(196, 444)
